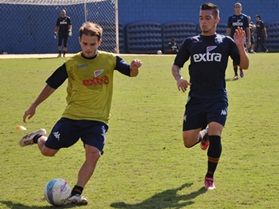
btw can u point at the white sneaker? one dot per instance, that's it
(77, 200)
(28, 139)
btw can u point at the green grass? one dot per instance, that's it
(145, 164)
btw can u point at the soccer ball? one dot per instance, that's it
(159, 52)
(57, 191)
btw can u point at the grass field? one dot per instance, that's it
(145, 165)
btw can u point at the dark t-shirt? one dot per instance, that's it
(236, 21)
(63, 23)
(208, 62)
(260, 29)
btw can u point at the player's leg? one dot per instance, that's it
(38, 137)
(93, 137)
(65, 42)
(235, 68)
(191, 137)
(60, 39)
(217, 117)
(193, 123)
(257, 44)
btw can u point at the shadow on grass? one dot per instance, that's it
(231, 79)
(166, 199)
(17, 205)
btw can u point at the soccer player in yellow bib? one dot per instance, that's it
(89, 94)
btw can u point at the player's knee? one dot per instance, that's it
(187, 142)
(92, 154)
(48, 152)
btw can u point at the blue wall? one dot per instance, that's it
(30, 29)
(165, 11)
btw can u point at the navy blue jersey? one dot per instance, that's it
(209, 58)
(63, 23)
(260, 28)
(236, 21)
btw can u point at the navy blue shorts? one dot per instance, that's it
(198, 114)
(67, 132)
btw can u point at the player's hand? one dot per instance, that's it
(239, 36)
(70, 33)
(134, 67)
(182, 84)
(29, 113)
(135, 64)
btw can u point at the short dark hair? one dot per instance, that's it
(259, 17)
(210, 6)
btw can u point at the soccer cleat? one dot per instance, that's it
(204, 142)
(209, 183)
(241, 74)
(235, 77)
(77, 200)
(28, 139)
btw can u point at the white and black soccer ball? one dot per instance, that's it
(57, 191)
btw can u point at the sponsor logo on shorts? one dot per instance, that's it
(56, 135)
(223, 112)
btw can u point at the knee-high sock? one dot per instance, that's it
(213, 153)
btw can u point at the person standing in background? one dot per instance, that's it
(261, 35)
(63, 29)
(252, 28)
(238, 20)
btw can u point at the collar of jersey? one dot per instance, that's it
(88, 58)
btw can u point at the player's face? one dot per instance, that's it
(63, 13)
(237, 9)
(208, 22)
(89, 45)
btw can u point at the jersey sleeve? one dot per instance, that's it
(234, 53)
(69, 21)
(58, 77)
(246, 22)
(183, 54)
(229, 24)
(122, 66)
(57, 22)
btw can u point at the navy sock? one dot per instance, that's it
(235, 70)
(76, 190)
(213, 153)
(36, 137)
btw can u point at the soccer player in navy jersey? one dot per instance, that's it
(207, 101)
(239, 20)
(63, 29)
(261, 34)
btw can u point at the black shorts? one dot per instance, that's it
(67, 132)
(198, 114)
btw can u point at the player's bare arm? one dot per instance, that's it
(239, 38)
(182, 84)
(45, 93)
(134, 67)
